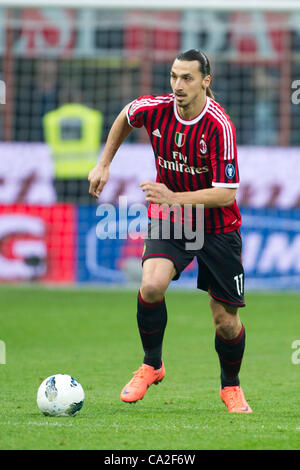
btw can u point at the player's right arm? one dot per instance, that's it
(99, 175)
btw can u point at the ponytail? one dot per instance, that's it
(209, 93)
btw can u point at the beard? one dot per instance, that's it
(182, 105)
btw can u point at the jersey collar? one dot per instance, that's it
(197, 118)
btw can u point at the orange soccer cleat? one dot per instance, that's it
(142, 379)
(234, 399)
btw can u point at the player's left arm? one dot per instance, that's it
(159, 193)
(210, 198)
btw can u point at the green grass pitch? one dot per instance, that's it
(92, 335)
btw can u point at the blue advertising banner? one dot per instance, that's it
(111, 243)
(271, 248)
(98, 260)
(110, 246)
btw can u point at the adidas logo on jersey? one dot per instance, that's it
(156, 133)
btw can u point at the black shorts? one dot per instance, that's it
(220, 269)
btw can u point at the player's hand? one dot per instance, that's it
(98, 177)
(158, 193)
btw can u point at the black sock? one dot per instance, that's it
(230, 355)
(152, 320)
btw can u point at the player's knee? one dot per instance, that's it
(227, 328)
(226, 319)
(152, 290)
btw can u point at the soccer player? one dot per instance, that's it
(194, 144)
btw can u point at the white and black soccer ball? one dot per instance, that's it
(60, 395)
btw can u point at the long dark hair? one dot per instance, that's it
(204, 65)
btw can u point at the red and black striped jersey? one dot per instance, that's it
(191, 155)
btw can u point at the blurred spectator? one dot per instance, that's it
(266, 107)
(46, 96)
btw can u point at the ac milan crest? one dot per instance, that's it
(203, 147)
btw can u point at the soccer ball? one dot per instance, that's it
(60, 395)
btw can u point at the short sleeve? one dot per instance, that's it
(223, 156)
(137, 111)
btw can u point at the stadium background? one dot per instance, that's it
(102, 58)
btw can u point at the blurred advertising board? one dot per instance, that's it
(58, 242)
(37, 243)
(114, 256)
(269, 175)
(62, 243)
(26, 173)
(271, 248)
